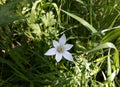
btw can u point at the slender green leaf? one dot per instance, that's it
(82, 21)
(112, 76)
(116, 54)
(112, 35)
(109, 64)
(100, 59)
(101, 46)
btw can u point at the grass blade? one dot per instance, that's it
(82, 21)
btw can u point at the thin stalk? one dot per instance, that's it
(91, 12)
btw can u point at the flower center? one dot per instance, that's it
(60, 49)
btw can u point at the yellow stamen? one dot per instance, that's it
(60, 49)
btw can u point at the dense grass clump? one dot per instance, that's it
(27, 31)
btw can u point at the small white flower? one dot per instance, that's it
(60, 49)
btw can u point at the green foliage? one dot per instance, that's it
(112, 35)
(27, 28)
(82, 21)
(8, 13)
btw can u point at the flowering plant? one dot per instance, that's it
(60, 49)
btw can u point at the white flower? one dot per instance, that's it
(60, 49)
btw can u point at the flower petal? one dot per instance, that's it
(51, 51)
(62, 40)
(55, 43)
(58, 57)
(67, 56)
(68, 46)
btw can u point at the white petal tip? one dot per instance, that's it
(62, 39)
(57, 61)
(51, 51)
(71, 60)
(58, 57)
(46, 54)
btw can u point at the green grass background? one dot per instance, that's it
(27, 28)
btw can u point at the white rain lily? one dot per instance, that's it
(60, 49)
